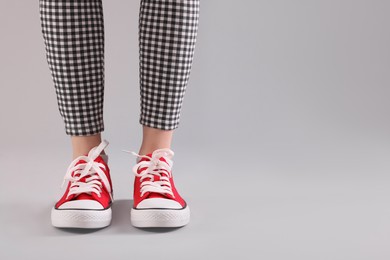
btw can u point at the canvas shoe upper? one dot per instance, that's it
(87, 199)
(153, 185)
(157, 203)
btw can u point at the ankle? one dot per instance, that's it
(81, 145)
(154, 139)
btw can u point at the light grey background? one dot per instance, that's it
(282, 150)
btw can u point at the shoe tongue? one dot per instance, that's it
(144, 158)
(86, 196)
(150, 155)
(147, 159)
(98, 159)
(150, 195)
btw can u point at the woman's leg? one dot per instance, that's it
(73, 33)
(167, 36)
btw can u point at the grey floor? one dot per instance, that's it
(282, 152)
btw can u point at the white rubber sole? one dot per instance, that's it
(78, 218)
(160, 217)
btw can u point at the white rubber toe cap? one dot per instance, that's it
(81, 204)
(159, 203)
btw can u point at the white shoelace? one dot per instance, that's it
(92, 184)
(155, 167)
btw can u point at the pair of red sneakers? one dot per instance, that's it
(88, 198)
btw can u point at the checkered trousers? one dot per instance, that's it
(73, 33)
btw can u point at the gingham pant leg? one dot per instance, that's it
(167, 36)
(73, 33)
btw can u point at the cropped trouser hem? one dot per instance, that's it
(74, 37)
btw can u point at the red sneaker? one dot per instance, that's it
(87, 200)
(157, 202)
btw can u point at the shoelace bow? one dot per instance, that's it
(155, 167)
(92, 184)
